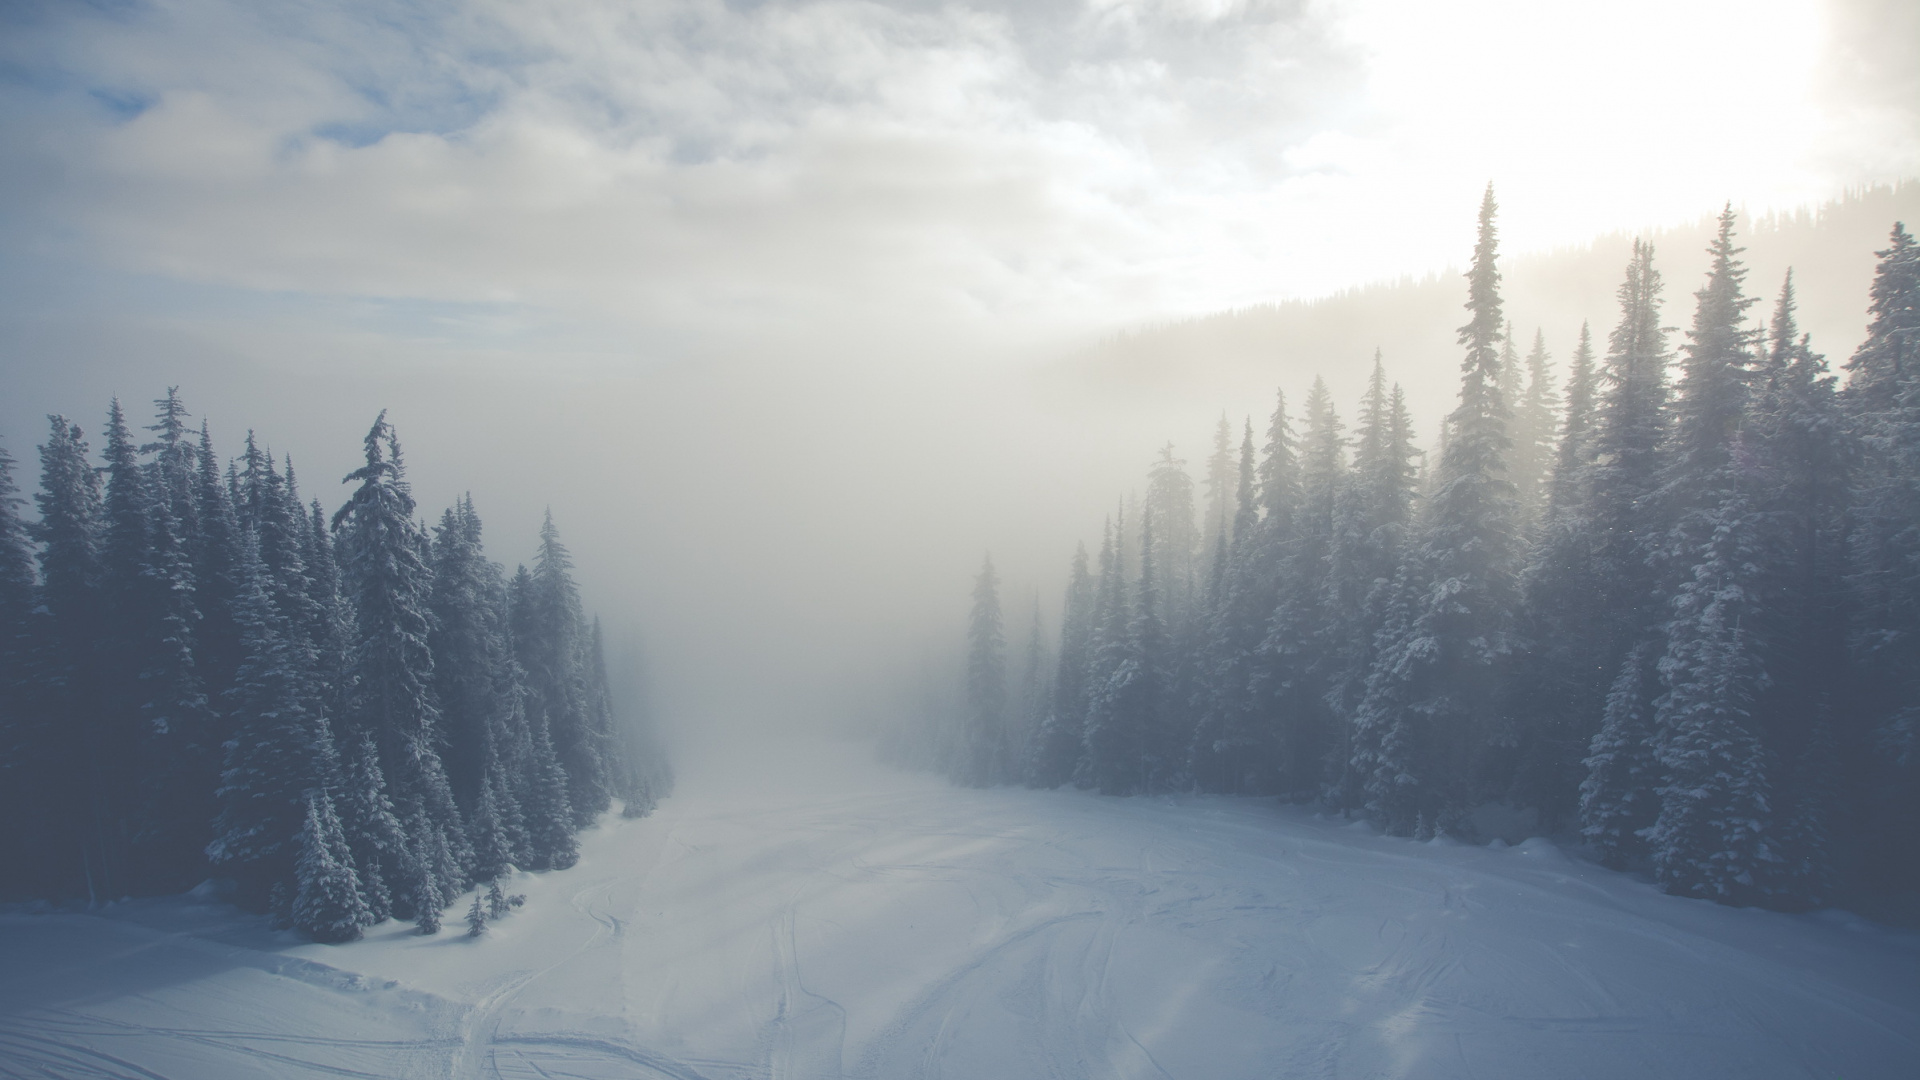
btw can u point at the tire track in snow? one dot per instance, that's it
(480, 1028)
(810, 1030)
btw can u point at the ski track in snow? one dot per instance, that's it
(798, 912)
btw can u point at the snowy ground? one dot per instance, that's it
(804, 913)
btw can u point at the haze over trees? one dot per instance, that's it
(1666, 600)
(351, 716)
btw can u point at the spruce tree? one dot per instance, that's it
(1561, 679)
(1716, 371)
(216, 561)
(22, 734)
(181, 759)
(1390, 757)
(327, 904)
(375, 838)
(1533, 433)
(1369, 539)
(1617, 799)
(1573, 452)
(1129, 703)
(1795, 467)
(1882, 403)
(470, 647)
(1176, 541)
(1298, 658)
(1882, 369)
(1606, 546)
(389, 586)
(1711, 836)
(550, 641)
(1445, 706)
(1222, 482)
(69, 622)
(119, 655)
(281, 750)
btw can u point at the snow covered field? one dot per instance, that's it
(800, 912)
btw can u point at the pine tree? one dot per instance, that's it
(119, 655)
(549, 639)
(1711, 836)
(550, 817)
(70, 620)
(281, 750)
(1441, 687)
(470, 648)
(22, 734)
(180, 763)
(1884, 366)
(1235, 743)
(1057, 748)
(216, 561)
(1128, 705)
(389, 584)
(1389, 758)
(476, 918)
(374, 837)
(429, 891)
(1617, 800)
(1107, 650)
(17, 581)
(1794, 461)
(1222, 482)
(1561, 679)
(1592, 597)
(1533, 434)
(1297, 654)
(1573, 453)
(1176, 541)
(1372, 517)
(986, 762)
(327, 904)
(1882, 402)
(1716, 371)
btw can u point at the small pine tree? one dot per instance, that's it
(1711, 838)
(1617, 801)
(476, 918)
(327, 904)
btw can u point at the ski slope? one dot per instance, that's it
(801, 912)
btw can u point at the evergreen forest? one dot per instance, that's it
(342, 717)
(1666, 598)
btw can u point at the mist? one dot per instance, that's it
(793, 316)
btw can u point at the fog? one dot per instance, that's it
(790, 313)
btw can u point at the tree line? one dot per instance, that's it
(1671, 600)
(349, 716)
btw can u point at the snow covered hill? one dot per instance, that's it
(798, 912)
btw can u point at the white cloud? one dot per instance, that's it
(816, 167)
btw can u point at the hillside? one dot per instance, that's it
(1236, 358)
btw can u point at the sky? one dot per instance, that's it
(739, 289)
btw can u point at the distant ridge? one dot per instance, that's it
(1235, 358)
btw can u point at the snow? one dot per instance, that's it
(796, 911)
